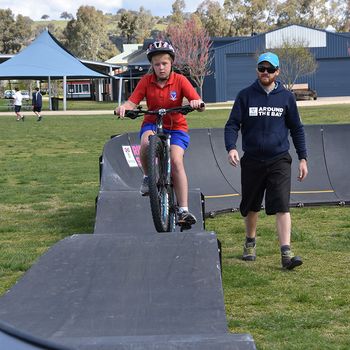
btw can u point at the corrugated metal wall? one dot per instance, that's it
(333, 77)
(233, 62)
(309, 37)
(241, 73)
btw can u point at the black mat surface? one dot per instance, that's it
(117, 292)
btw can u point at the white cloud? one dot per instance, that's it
(53, 8)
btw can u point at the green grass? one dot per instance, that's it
(71, 105)
(48, 184)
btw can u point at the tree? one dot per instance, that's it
(87, 36)
(213, 18)
(249, 17)
(127, 26)
(14, 33)
(296, 61)
(339, 15)
(66, 15)
(311, 13)
(45, 17)
(144, 25)
(192, 45)
(178, 12)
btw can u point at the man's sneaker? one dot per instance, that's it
(22, 118)
(144, 189)
(289, 261)
(249, 252)
(186, 218)
(39, 118)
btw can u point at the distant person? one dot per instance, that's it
(18, 104)
(266, 113)
(37, 103)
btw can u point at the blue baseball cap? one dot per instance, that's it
(269, 57)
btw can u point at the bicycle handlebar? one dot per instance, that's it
(135, 113)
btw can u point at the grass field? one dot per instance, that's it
(48, 184)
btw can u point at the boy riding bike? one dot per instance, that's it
(164, 88)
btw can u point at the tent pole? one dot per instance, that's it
(111, 83)
(50, 102)
(65, 93)
(120, 91)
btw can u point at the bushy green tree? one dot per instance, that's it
(66, 15)
(311, 13)
(249, 17)
(213, 18)
(127, 26)
(15, 33)
(178, 8)
(87, 35)
(144, 25)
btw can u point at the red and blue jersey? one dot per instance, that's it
(171, 95)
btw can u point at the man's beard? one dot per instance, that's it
(269, 82)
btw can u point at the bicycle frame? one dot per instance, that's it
(161, 191)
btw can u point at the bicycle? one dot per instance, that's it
(161, 190)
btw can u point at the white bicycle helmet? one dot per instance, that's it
(160, 47)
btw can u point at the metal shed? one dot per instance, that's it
(234, 64)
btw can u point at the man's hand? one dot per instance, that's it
(302, 169)
(233, 157)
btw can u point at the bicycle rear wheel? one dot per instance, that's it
(161, 192)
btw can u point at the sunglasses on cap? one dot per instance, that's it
(269, 70)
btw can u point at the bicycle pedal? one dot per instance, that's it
(184, 226)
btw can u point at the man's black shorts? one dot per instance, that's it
(271, 178)
(17, 108)
(37, 108)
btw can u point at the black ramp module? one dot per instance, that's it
(14, 339)
(337, 152)
(107, 292)
(128, 211)
(230, 173)
(119, 167)
(203, 172)
(316, 188)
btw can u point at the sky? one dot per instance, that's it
(53, 8)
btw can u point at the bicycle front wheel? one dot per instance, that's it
(161, 191)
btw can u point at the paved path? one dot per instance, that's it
(321, 101)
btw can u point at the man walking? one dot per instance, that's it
(37, 103)
(18, 104)
(266, 112)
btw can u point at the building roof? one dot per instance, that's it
(122, 58)
(45, 57)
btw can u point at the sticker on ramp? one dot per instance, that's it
(129, 156)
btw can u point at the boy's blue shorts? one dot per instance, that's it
(178, 137)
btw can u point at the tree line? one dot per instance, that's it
(94, 35)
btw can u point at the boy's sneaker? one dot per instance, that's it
(39, 118)
(186, 218)
(22, 118)
(249, 252)
(144, 189)
(289, 261)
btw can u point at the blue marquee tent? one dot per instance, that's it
(45, 58)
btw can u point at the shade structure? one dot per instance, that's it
(46, 57)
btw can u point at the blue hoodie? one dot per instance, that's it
(264, 120)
